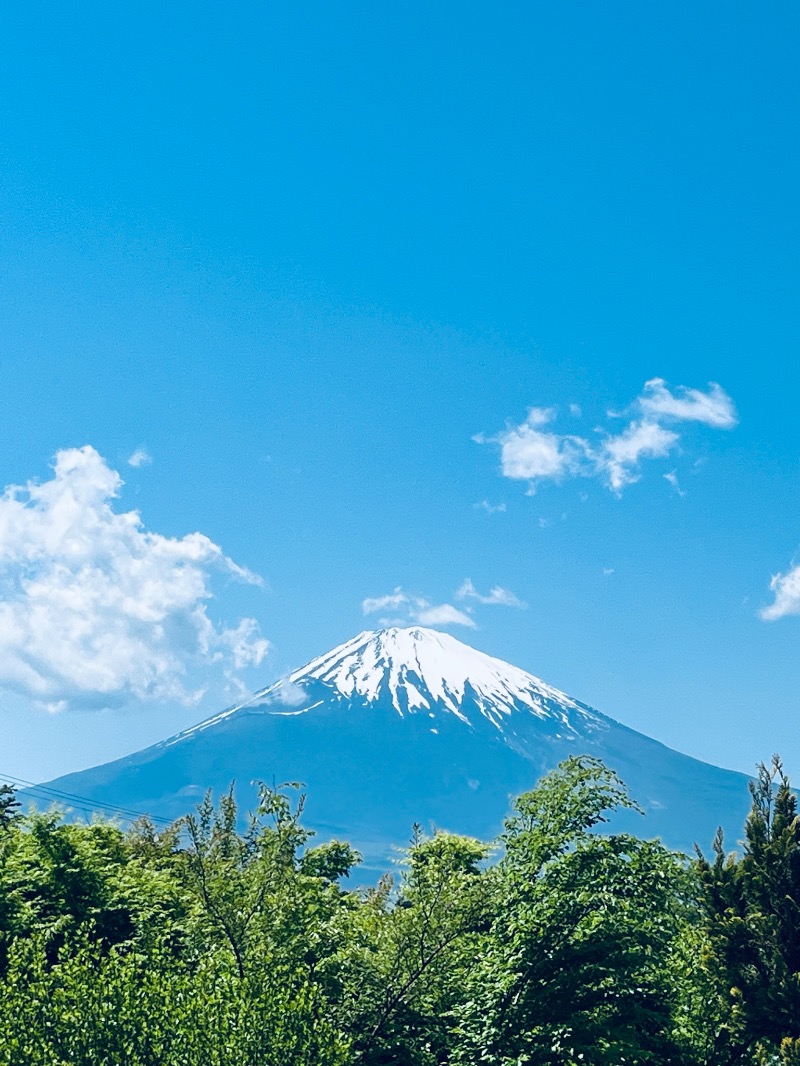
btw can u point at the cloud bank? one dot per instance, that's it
(95, 610)
(532, 451)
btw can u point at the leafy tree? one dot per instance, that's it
(56, 876)
(410, 978)
(151, 1009)
(576, 967)
(220, 958)
(256, 888)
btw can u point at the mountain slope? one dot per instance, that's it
(411, 725)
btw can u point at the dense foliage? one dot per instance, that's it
(201, 945)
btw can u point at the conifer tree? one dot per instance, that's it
(9, 805)
(753, 913)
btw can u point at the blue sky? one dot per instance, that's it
(414, 302)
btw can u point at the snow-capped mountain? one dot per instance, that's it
(425, 670)
(416, 670)
(411, 725)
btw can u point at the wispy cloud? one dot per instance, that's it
(672, 477)
(496, 597)
(712, 408)
(141, 457)
(619, 458)
(533, 451)
(786, 588)
(402, 608)
(409, 607)
(444, 614)
(490, 508)
(96, 610)
(287, 694)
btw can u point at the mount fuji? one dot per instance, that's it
(410, 725)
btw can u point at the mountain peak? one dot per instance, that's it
(412, 671)
(423, 669)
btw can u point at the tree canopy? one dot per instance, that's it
(557, 943)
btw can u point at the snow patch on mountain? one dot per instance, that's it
(433, 671)
(418, 670)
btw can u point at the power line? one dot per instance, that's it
(84, 803)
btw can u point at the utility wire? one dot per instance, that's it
(83, 803)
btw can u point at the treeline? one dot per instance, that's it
(200, 945)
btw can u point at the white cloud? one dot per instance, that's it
(408, 607)
(444, 614)
(532, 451)
(490, 508)
(497, 596)
(393, 601)
(95, 610)
(541, 416)
(400, 608)
(713, 408)
(787, 595)
(245, 643)
(287, 693)
(529, 453)
(619, 457)
(141, 457)
(672, 478)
